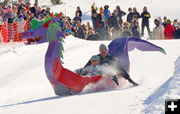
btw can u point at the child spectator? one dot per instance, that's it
(126, 32)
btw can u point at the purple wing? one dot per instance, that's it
(119, 48)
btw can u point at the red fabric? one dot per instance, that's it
(4, 32)
(168, 32)
(72, 80)
(12, 31)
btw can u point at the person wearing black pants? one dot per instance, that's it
(111, 62)
(145, 15)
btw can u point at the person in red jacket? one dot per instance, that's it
(169, 30)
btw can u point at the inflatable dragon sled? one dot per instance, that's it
(66, 82)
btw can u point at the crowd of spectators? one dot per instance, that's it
(105, 25)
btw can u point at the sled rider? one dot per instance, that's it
(106, 59)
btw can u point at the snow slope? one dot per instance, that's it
(25, 89)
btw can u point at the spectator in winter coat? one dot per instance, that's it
(175, 22)
(77, 17)
(126, 32)
(93, 9)
(47, 12)
(136, 13)
(106, 12)
(93, 69)
(120, 15)
(177, 32)
(114, 25)
(28, 5)
(34, 10)
(99, 20)
(130, 15)
(145, 15)
(79, 11)
(164, 21)
(101, 10)
(111, 62)
(135, 27)
(80, 31)
(102, 31)
(94, 21)
(168, 30)
(158, 31)
(112, 21)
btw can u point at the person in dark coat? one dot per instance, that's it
(145, 15)
(79, 11)
(34, 10)
(120, 15)
(93, 9)
(80, 30)
(112, 21)
(177, 32)
(106, 59)
(164, 21)
(46, 12)
(136, 13)
(135, 27)
(94, 20)
(102, 31)
(77, 17)
(114, 25)
(130, 15)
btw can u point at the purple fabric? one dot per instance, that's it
(141, 45)
(42, 31)
(119, 48)
(51, 55)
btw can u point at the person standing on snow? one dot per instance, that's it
(130, 15)
(145, 15)
(120, 15)
(79, 11)
(158, 31)
(169, 30)
(111, 62)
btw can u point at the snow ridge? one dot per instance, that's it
(169, 90)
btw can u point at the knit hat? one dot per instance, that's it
(168, 21)
(95, 57)
(103, 46)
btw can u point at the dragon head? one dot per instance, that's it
(44, 31)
